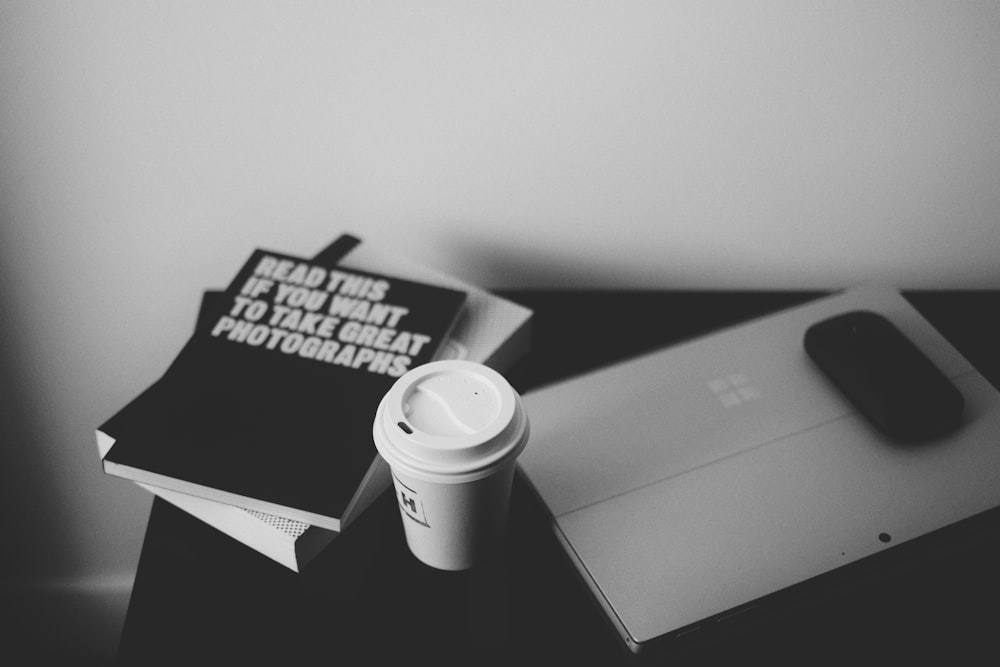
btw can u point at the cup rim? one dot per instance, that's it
(449, 458)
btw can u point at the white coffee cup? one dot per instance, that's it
(451, 432)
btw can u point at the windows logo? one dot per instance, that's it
(734, 390)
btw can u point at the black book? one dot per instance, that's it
(270, 405)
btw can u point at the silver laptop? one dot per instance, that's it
(692, 482)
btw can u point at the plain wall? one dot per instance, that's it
(147, 147)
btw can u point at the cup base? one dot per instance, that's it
(455, 527)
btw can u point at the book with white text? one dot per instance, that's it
(269, 406)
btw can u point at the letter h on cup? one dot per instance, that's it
(408, 502)
(411, 505)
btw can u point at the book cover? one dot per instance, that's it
(491, 330)
(269, 408)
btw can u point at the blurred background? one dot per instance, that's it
(146, 148)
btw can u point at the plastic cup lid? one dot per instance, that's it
(450, 418)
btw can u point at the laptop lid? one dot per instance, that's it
(695, 480)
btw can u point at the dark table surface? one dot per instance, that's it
(200, 596)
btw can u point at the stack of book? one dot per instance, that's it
(261, 426)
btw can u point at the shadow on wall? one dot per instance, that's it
(30, 502)
(46, 609)
(497, 262)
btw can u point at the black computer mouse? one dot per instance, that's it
(885, 375)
